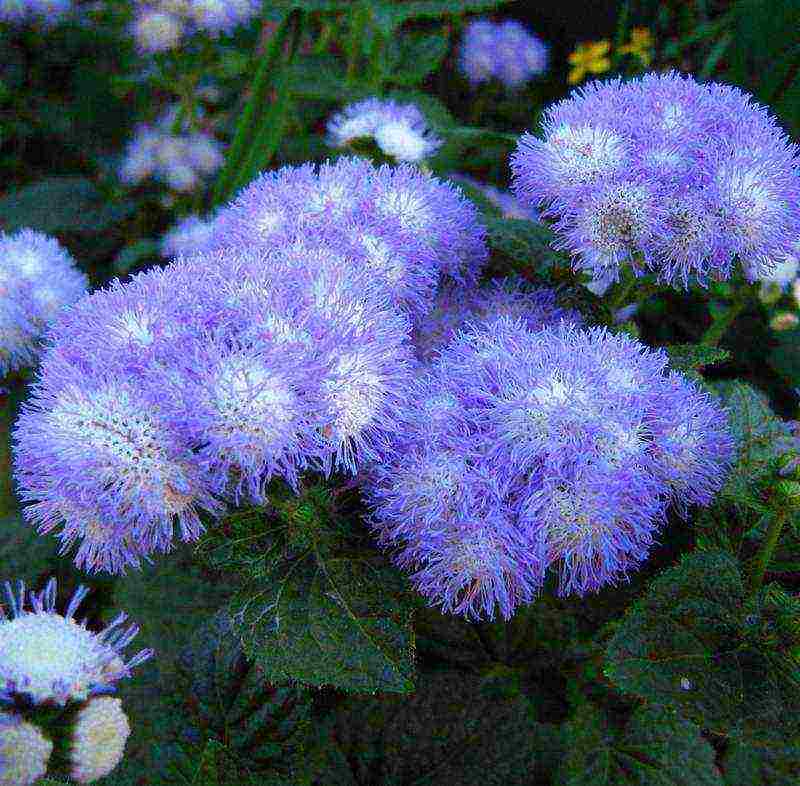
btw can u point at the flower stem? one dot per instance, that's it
(721, 323)
(767, 549)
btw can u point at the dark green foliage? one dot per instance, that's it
(135, 254)
(656, 748)
(448, 731)
(697, 643)
(260, 724)
(691, 358)
(315, 606)
(61, 204)
(785, 356)
(755, 764)
(524, 242)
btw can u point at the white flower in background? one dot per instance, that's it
(188, 236)
(99, 737)
(156, 31)
(399, 130)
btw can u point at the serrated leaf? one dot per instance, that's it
(447, 732)
(326, 620)
(759, 435)
(60, 204)
(657, 748)
(694, 643)
(230, 700)
(755, 764)
(524, 242)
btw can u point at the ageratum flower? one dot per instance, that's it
(38, 277)
(181, 160)
(667, 175)
(156, 30)
(98, 739)
(457, 307)
(408, 228)
(190, 235)
(96, 456)
(505, 51)
(400, 130)
(221, 16)
(586, 438)
(24, 751)
(50, 657)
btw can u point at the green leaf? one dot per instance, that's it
(327, 620)
(524, 242)
(416, 56)
(263, 724)
(447, 732)
(785, 357)
(756, 764)
(391, 15)
(61, 204)
(657, 748)
(134, 254)
(321, 78)
(694, 357)
(698, 644)
(759, 434)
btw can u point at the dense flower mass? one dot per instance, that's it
(160, 25)
(671, 176)
(529, 449)
(458, 307)
(38, 277)
(505, 51)
(98, 739)
(24, 751)
(399, 130)
(50, 657)
(180, 159)
(283, 345)
(43, 12)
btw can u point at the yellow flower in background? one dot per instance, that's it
(589, 58)
(640, 45)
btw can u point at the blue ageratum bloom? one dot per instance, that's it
(505, 51)
(38, 278)
(49, 657)
(665, 174)
(399, 130)
(571, 444)
(409, 228)
(457, 307)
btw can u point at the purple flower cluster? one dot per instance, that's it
(529, 449)
(160, 25)
(408, 228)
(399, 130)
(282, 347)
(458, 307)
(37, 278)
(190, 235)
(180, 160)
(673, 177)
(505, 51)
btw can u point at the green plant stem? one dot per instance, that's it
(767, 549)
(359, 16)
(720, 325)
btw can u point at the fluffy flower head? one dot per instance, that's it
(98, 739)
(24, 751)
(51, 657)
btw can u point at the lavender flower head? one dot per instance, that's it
(38, 277)
(409, 228)
(570, 444)
(457, 307)
(98, 739)
(50, 657)
(399, 130)
(190, 235)
(673, 177)
(505, 51)
(180, 160)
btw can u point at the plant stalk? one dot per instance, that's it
(767, 549)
